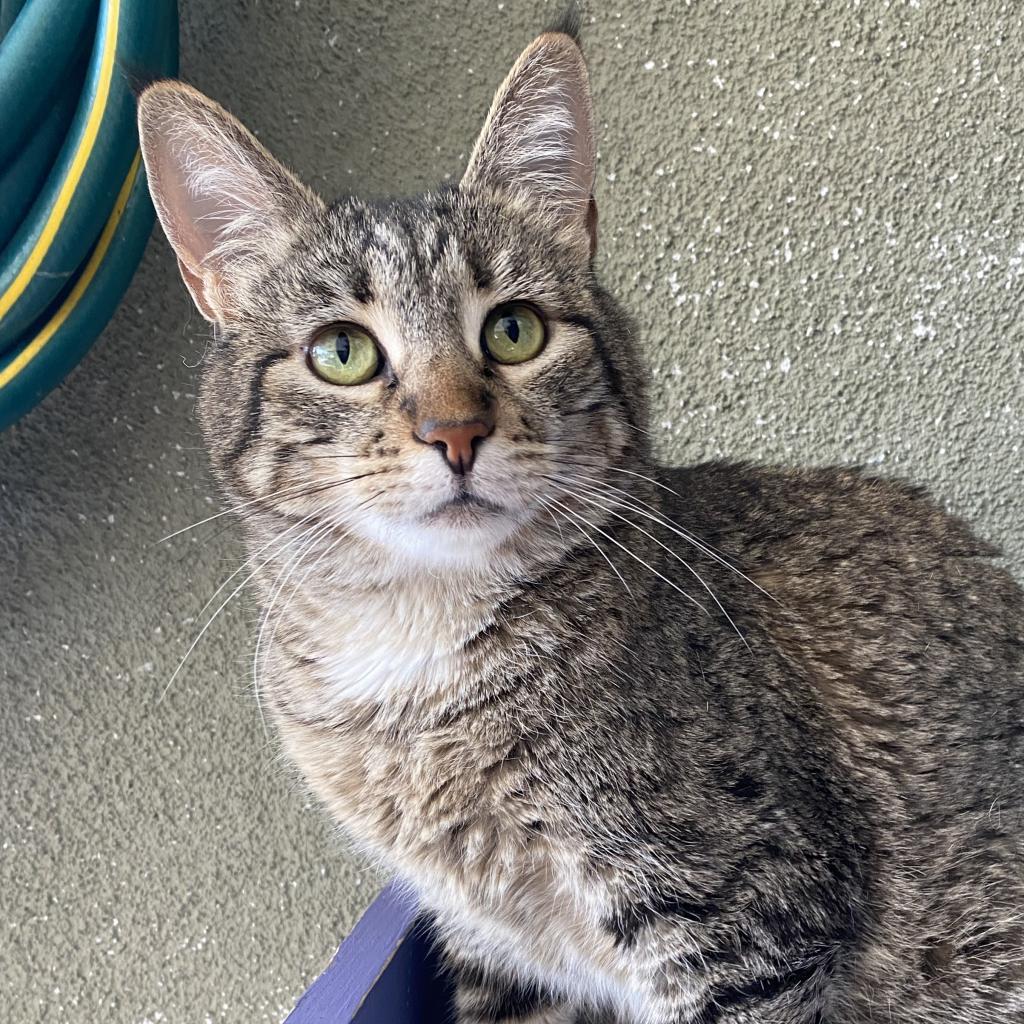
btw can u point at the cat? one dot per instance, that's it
(713, 745)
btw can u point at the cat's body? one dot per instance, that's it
(620, 797)
(724, 745)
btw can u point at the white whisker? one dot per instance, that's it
(632, 554)
(595, 503)
(669, 524)
(310, 538)
(298, 491)
(260, 669)
(249, 561)
(279, 544)
(600, 550)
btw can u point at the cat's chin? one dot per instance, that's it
(456, 535)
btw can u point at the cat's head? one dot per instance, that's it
(425, 373)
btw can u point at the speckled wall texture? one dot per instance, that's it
(814, 209)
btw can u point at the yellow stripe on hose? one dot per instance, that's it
(33, 348)
(81, 158)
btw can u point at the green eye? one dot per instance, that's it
(513, 333)
(345, 354)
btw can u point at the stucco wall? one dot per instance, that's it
(815, 211)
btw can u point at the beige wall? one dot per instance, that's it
(815, 211)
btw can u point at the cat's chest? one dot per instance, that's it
(467, 810)
(485, 851)
(459, 793)
(375, 645)
(463, 823)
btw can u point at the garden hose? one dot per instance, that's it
(74, 209)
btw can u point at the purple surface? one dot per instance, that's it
(385, 972)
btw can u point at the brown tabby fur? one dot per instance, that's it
(718, 745)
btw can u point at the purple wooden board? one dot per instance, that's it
(385, 972)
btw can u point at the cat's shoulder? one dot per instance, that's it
(830, 509)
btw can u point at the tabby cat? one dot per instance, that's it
(710, 745)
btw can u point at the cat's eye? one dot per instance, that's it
(513, 333)
(344, 354)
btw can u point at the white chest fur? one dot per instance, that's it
(380, 643)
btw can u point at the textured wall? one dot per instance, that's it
(815, 211)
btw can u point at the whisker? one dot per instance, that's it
(309, 541)
(670, 524)
(295, 492)
(600, 550)
(558, 525)
(632, 554)
(286, 572)
(639, 430)
(651, 480)
(256, 554)
(709, 549)
(213, 618)
(259, 670)
(279, 545)
(700, 579)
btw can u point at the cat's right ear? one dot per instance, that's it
(227, 206)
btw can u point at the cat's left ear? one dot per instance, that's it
(538, 140)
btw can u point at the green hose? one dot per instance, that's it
(74, 211)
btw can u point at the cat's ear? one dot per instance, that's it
(227, 206)
(538, 140)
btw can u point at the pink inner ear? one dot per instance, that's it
(182, 163)
(223, 200)
(198, 289)
(214, 195)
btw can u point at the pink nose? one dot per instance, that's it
(458, 441)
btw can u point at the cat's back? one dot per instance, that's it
(893, 611)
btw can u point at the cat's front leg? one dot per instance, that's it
(486, 996)
(784, 996)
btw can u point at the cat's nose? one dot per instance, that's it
(458, 440)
